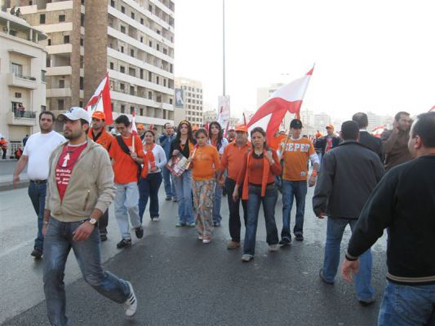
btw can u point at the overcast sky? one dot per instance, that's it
(370, 55)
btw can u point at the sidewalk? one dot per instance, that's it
(6, 181)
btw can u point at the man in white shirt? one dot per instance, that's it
(36, 153)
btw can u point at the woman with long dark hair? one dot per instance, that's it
(217, 140)
(183, 144)
(151, 177)
(257, 176)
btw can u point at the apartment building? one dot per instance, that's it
(192, 98)
(22, 78)
(131, 39)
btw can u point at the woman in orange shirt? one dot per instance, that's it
(204, 162)
(257, 176)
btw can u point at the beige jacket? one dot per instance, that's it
(91, 185)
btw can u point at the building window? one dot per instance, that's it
(132, 72)
(61, 83)
(132, 15)
(132, 53)
(158, 47)
(123, 29)
(164, 82)
(150, 44)
(150, 76)
(81, 83)
(141, 39)
(157, 80)
(159, 98)
(150, 95)
(150, 8)
(60, 105)
(122, 49)
(43, 76)
(141, 21)
(112, 3)
(48, 62)
(123, 9)
(42, 18)
(112, 66)
(61, 18)
(141, 111)
(49, 42)
(17, 69)
(66, 39)
(170, 101)
(131, 90)
(122, 69)
(82, 20)
(43, 108)
(82, 42)
(122, 108)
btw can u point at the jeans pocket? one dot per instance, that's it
(409, 302)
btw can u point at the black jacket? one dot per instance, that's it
(372, 142)
(403, 202)
(349, 174)
(321, 143)
(175, 144)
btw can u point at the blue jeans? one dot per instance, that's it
(127, 204)
(37, 192)
(217, 200)
(291, 190)
(254, 202)
(407, 305)
(149, 187)
(334, 234)
(183, 189)
(169, 182)
(58, 243)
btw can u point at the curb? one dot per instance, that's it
(9, 186)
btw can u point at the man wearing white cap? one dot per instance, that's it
(80, 190)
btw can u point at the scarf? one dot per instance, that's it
(149, 158)
(266, 169)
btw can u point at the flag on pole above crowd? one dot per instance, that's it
(223, 110)
(133, 123)
(101, 101)
(287, 98)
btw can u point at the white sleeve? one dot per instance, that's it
(161, 157)
(314, 158)
(224, 144)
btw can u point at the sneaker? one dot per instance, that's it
(168, 198)
(174, 200)
(124, 243)
(299, 237)
(247, 258)
(180, 225)
(206, 240)
(139, 232)
(37, 253)
(200, 237)
(217, 224)
(273, 247)
(323, 278)
(366, 303)
(131, 304)
(156, 219)
(103, 237)
(191, 225)
(285, 242)
(233, 245)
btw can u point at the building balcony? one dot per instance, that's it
(22, 81)
(60, 48)
(59, 71)
(26, 118)
(59, 92)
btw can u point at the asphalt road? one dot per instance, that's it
(180, 281)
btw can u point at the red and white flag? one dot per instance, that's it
(433, 109)
(287, 98)
(133, 123)
(101, 101)
(377, 132)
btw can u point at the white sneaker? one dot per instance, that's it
(200, 237)
(131, 304)
(156, 219)
(206, 240)
(273, 247)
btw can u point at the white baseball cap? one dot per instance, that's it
(75, 113)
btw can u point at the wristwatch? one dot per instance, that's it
(93, 221)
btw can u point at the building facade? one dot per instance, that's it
(131, 39)
(22, 78)
(189, 100)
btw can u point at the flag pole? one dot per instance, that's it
(223, 40)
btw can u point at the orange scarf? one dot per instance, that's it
(149, 157)
(266, 169)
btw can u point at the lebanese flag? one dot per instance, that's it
(377, 132)
(433, 109)
(287, 98)
(133, 123)
(101, 101)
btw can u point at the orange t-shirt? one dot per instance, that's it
(275, 142)
(233, 157)
(124, 167)
(104, 138)
(205, 162)
(255, 170)
(296, 156)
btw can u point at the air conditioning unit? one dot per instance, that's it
(17, 95)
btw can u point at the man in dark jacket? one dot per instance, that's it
(349, 174)
(404, 202)
(369, 141)
(165, 141)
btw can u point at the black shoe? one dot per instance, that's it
(124, 243)
(139, 232)
(323, 278)
(37, 253)
(103, 237)
(217, 224)
(168, 198)
(366, 303)
(299, 237)
(285, 242)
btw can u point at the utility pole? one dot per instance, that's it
(223, 38)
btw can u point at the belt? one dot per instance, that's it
(39, 181)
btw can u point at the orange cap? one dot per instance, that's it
(99, 115)
(195, 128)
(242, 128)
(140, 126)
(330, 127)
